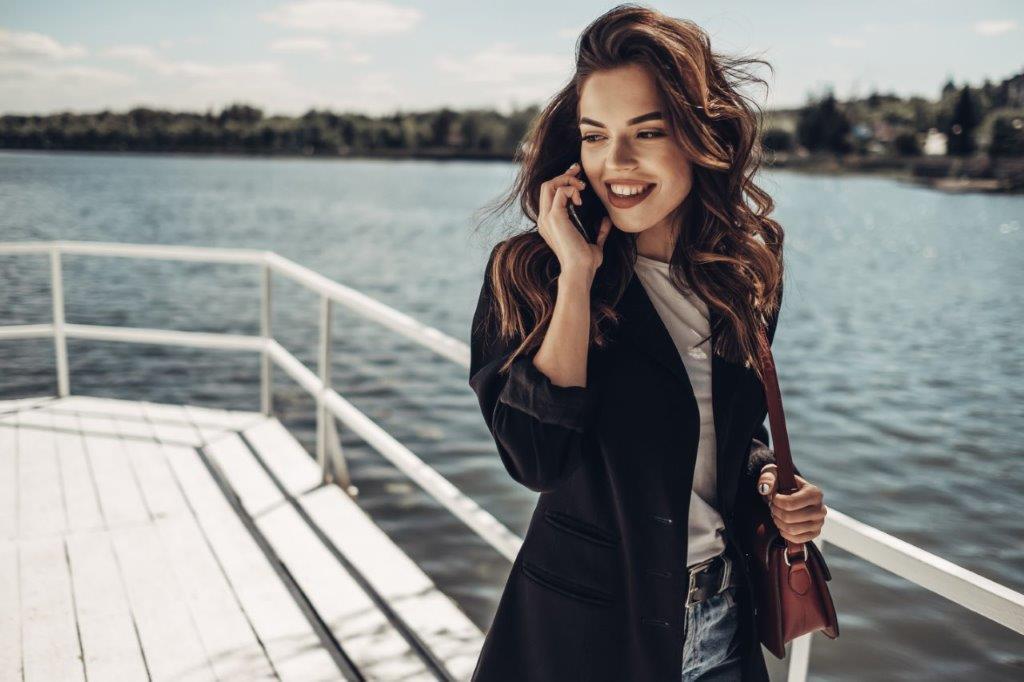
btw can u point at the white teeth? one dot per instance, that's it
(627, 190)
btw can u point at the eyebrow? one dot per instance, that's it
(651, 116)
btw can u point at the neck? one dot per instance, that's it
(658, 241)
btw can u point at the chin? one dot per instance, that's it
(631, 225)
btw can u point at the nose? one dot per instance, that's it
(622, 156)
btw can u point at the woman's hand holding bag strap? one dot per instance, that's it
(789, 578)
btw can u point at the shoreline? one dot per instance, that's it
(946, 174)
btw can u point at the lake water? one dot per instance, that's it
(899, 353)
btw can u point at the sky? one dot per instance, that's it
(380, 57)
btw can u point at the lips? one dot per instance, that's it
(628, 202)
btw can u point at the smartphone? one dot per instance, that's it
(587, 217)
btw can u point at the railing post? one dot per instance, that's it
(800, 649)
(325, 379)
(266, 368)
(60, 343)
(334, 469)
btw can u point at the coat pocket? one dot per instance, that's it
(581, 528)
(565, 586)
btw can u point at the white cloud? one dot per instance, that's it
(501, 75)
(29, 45)
(71, 73)
(147, 58)
(353, 17)
(322, 47)
(35, 71)
(297, 45)
(845, 42)
(501, 64)
(995, 27)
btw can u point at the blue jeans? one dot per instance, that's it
(711, 652)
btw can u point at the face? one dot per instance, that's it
(619, 149)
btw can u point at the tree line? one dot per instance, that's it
(989, 118)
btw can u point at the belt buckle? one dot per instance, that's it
(691, 586)
(691, 583)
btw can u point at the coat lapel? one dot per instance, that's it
(641, 325)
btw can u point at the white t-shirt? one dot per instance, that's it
(686, 318)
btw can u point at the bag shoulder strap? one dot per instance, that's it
(786, 483)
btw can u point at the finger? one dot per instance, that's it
(799, 515)
(548, 188)
(800, 538)
(561, 196)
(798, 528)
(808, 495)
(766, 483)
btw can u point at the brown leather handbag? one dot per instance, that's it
(789, 578)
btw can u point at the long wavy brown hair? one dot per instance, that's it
(727, 250)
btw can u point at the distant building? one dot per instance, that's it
(934, 143)
(1015, 91)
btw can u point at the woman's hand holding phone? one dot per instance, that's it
(575, 254)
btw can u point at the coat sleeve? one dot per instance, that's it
(537, 426)
(759, 454)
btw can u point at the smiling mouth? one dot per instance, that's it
(624, 201)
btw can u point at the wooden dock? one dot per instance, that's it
(143, 541)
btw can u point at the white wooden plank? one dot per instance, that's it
(172, 424)
(83, 509)
(8, 482)
(240, 420)
(97, 423)
(214, 421)
(442, 626)
(131, 419)
(171, 644)
(292, 645)
(437, 620)
(296, 470)
(252, 485)
(160, 491)
(227, 637)
(376, 648)
(119, 496)
(40, 499)
(10, 615)
(49, 638)
(109, 642)
(17, 404)
(61, 420)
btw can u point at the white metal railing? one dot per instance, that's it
(966, 588)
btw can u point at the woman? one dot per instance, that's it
(618, 377)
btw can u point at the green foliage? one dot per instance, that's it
(906, 144)
(778, 140)
(240, 128)
(880, 124)
(962, 124)
(1007, 138)
(823, 126)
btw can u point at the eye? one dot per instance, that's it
(653, 135)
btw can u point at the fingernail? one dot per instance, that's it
(574, 165)
(763, 488)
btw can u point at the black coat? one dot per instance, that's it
(597, 589)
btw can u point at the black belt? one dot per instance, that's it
(708, 578)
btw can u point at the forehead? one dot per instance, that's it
(617, 95)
